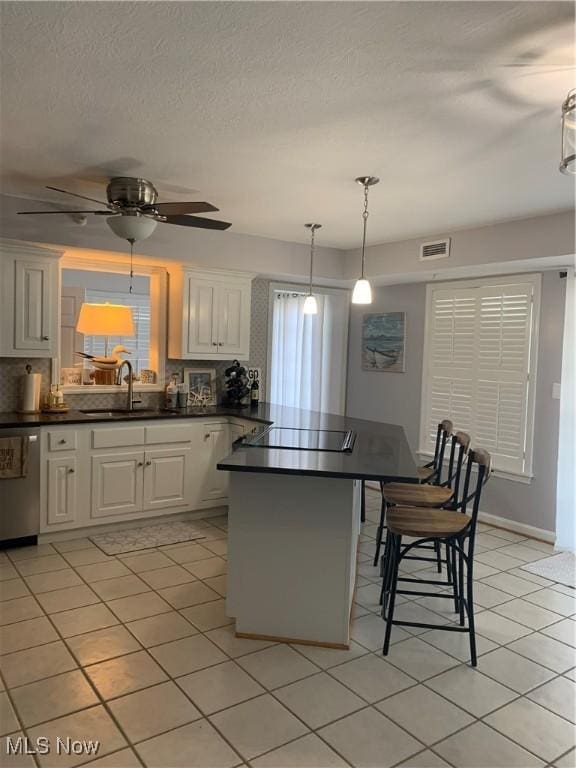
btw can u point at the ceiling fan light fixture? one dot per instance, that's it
(568, 158)
(132, 227)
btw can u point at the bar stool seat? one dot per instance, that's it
(425, 473)
(419, 522)
(410, 494)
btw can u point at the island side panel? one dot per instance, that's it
(292, 556)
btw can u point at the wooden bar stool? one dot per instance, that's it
(426, 495)
(456, 528)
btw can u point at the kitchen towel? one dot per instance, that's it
(13, 457)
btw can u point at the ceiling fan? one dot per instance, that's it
(133, 212)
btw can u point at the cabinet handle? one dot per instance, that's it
(71, 471)
(140, 464)
(61, 442)
(207, 435)
(214, 344)
(220, 343)
(45, 338)
(148, 463)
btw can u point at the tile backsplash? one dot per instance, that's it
(12, 368)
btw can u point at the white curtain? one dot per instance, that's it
(308, 365)
(566, 482)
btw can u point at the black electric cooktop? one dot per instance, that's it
(336, 441)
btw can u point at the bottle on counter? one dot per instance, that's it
(172, 393)
(255, 393)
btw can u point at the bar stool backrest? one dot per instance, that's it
(480, 461)
(458, 450)
(445, 429)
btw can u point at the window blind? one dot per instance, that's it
(139, 345)
(479, 366)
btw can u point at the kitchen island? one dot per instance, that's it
(294, 520)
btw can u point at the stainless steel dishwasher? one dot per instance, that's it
(20, 496)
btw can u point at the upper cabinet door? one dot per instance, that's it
(200, 317)
(34, 306)
(234, 319)
(209, 315)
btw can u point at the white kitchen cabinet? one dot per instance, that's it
(117, 483)
(167, 478)
(29, 296)
(62, 490)
(209, 315)
(216, 447)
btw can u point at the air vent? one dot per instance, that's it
(439, 249)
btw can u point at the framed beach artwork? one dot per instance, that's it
(201, 386)
(383, 342)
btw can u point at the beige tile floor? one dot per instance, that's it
(137, 652)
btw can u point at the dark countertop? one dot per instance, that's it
(380, 452)
(12, 419)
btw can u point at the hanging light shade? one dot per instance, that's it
(568, 159)
(362, 293)
(132, 227)
(310, 303)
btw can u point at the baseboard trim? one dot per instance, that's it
(84, 532)
(530, 531)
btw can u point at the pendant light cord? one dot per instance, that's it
(365, 215)
(131, 241)
(313, 230)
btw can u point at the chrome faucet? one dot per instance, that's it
(130, 396)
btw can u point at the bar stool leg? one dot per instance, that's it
(461, 582)
(438, 556)
(395, 553)
(385, 572)
(379, 533)
(455, 576)
(470, 608)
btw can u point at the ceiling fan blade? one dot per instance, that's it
(75, 194)
(43, 213)
(197, 221)
(170, 209)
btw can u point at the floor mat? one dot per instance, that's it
(146, 537)
(560, 568)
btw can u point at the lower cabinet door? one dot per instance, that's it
(117, 481)
(167, 478)
(217, 446)
(62, 487)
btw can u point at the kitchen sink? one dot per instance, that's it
(117, 411)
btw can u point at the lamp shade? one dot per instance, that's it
(362, 293)
(105, 320)
(310, 305)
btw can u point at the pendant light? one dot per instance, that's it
(362, 293)
(310, 304)
(568, 159)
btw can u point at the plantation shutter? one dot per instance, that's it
(477, 370)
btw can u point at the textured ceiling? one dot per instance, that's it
(270, 109)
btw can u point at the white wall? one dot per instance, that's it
(395, 397)
(501, 245)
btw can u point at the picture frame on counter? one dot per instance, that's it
(201, 386)
(71, 376)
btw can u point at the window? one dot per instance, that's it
(139, 345)
(105, 281)
(307, 353)
(480, 365)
